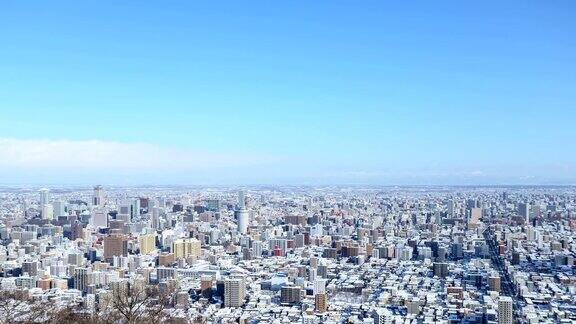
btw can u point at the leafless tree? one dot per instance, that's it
(139, 303)
(14, 306)
(130, 303)
(17, 306)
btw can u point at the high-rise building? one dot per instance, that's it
(257, 249)
(128, 209)
(321, 302)
(124, 211)
(44, 197)
(206, 286)
(505, 310)
(524, 211)
(441, 269)
(82, 278)
(135, 207)
(451, 208)
(505, 314)
(234, 292)
(474, 218)
(58, 208)
(290, 294)
(99, 218)
(187, 247)
(115, 245)
(147, 243)
(241, 214)
(30, 268)
(320, 286)
(494, 282)
(47, 211)
(98, 198)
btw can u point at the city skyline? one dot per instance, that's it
(322, 93)
(334, 162)
(292, 254)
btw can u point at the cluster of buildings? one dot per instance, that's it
(300, 254)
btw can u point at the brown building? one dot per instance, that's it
(166, 259)
(115, 245)
(77, 231)
(369, 248)
(206, 286)
(44, 283)
(494, 283)
(321, 302)
(457, 292)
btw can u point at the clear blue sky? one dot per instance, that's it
(290, 91)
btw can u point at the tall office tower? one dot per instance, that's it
(47, 211)
(451, 208)
(241, 214)
(241, 200)
(155, 218)
(524, 211)
(184, 248)
(58, 208)
(257, 249)
(147, 243)
(115, 245)
(475, 215)
(438, 217)
(44, 197)
(505, 315)
(98, 198)
(290, 294)
(321, 302)
(320, 286)
(82, 278)
(99, 218)
(162, 202)
(234, 292)
(494, 282)
(124, 211)
(441, 269)
(75, 258)
(135, 207)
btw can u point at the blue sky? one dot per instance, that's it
(426, 92)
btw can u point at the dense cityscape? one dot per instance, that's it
(288, 254)
(277, 162)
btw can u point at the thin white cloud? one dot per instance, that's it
(111, 155)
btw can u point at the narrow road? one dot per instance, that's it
(507, 287)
